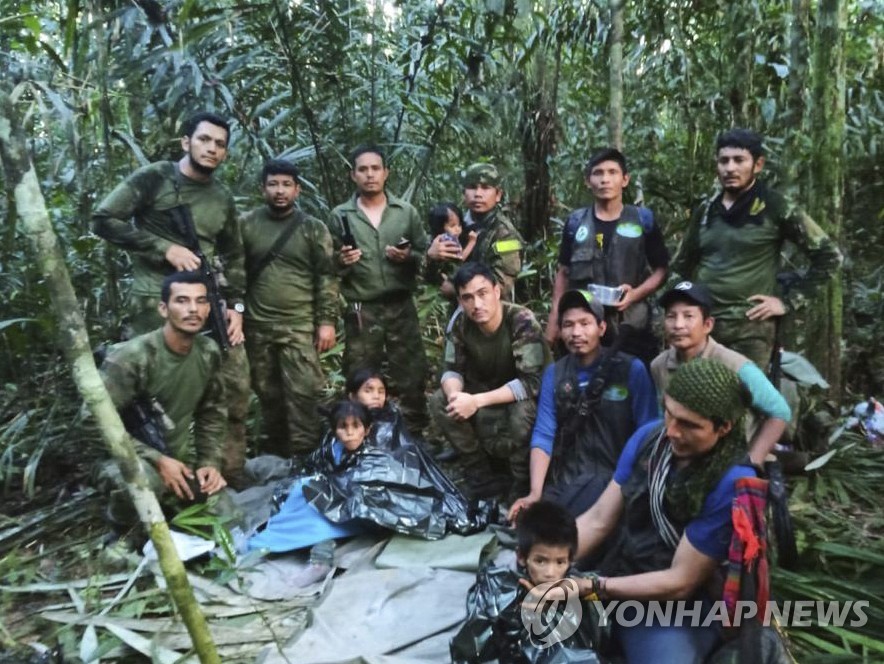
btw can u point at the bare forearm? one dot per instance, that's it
(451, 386)
(501, 395)
(651, 284)
(770, 431)
(538, 466)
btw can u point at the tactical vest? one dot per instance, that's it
(640, 547)
(624, 261)
(589, 444)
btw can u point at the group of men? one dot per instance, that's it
(536, 428)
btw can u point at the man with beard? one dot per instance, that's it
(499, 244)
(379, 244)
(178, 371)
(591, 401)
(486, 404)
(733, 246)
(291, 309)
(136, 216)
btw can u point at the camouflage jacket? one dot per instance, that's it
(299, 286)
(135, 216)
(499, 246)
(187, 387)
(514, 355)
(740, 257)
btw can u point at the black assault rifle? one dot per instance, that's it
(182, 224)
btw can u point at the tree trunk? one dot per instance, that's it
(824, 324)
(30, 204)
(796, 108)
(615, 66)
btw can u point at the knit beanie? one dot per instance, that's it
(710, 389)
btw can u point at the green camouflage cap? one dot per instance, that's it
(480, 174)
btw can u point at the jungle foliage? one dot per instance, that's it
(532, 86)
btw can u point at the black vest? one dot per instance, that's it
(623, 262)
(589, 443)
(640, 547)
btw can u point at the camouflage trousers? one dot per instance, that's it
(121, 511)
(144, 317)
(754, 339)
(377, 332)
(288, 380)
(495, 433)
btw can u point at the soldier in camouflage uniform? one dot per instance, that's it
(291, 309)
(179, 369)
(499, 244)
(135, 216)
(494, 359)
(733, 246)
(378, 267)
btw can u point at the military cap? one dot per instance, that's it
(480, 173)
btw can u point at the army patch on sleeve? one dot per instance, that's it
(507, 246)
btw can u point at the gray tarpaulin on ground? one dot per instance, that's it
(453, 552)
(378, 616)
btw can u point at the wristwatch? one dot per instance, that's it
(239, 307)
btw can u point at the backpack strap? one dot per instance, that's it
(276, 248)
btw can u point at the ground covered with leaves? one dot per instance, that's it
(70, 586)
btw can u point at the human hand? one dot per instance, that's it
(552, 329)
(349, 255)
(447, 288)
(234, 327)
(519, 505)
(325, 338)
(175, 475)
(210, 480)
(182, 258)
(627, 299)
(769, 306)
(443, 249)
(396, 255)
(462, 406)
(538, 597)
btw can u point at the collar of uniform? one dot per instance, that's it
(352, 205)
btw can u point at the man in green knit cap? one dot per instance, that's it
(672, 493)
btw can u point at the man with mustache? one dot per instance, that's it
(291, 309)
(733, 246)
(136, 217)
(379, 244)
(178, 371)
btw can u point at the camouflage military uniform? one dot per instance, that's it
(515, 355)
(134, 216)
(380, 322)
(292, 296)
(190, 391)
(736, 254)
(499, 245)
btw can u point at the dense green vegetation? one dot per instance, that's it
(533, 87)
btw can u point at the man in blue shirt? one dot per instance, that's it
(672, 495)
(591, 402)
